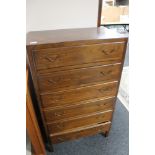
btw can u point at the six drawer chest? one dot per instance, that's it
(76, 75)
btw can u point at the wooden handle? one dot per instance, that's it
(103, 104)
(59, 114)
(52, 59)
(108, 52)
(103, 90)
(60, 139)
(102, 73)
(105, 52)
(51, 81)
(60, 126)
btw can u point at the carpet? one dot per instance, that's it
(117, 143)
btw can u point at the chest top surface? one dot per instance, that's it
(69, 35)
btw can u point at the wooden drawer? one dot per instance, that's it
(78, 77)
(76, 95)
(83, 120)
(77, 110)
(77, 55)
(81, 132)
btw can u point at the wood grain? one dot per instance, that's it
(32, 125)
(71, 56)
(79, 109)
(70, 37)
(76, 95)
(79, 77)
(83, 120)
(80, 132)
(76, 75)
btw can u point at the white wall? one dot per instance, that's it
(60, 14)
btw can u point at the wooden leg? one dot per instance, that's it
(49, 147)
(105, 134)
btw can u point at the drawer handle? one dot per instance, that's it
(55, 98)
(100, 130)
(102, 73)
(60, 139)
(100, 105)
(59, 114)
(52, 59)
(109, 72)
(107, 52)
(54, 81)
(60, 126)
(102, 90)
(101, 116)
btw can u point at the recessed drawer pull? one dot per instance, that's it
(104, 89)
(100, 130)
(108, 52)
(60, 139)
(60, 126)
(102, 73)
(109, 72)
(100, 105)
(52, 59)
(99, 117)
(102, 116)
(59, 114)
(54, 81)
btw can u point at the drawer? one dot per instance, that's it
(79, 77)
(77, 55)
(76, 95)
(80, 121)
(77, 110)
(81, 132)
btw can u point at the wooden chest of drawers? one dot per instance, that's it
(76, 75)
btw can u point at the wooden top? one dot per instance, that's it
(67, 35)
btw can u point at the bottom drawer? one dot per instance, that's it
(95, 118)
(80, 132)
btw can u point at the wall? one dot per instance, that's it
(60, 14)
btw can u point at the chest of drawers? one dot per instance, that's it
(76, 75)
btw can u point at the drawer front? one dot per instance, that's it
(79, 77)
(70, 56)
(86, 108)
(77, 95)
(100, 128)
(84, 120)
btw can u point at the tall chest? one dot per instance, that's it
(76, 75)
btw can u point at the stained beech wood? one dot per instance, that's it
(32, 124)
(80, 132)
(76, 95)
(71, 56)
(93, 118)
(76, 110)
(71, 79)
(70, 37)
(76, 75)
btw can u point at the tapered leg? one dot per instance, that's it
(105, 134)
(49, 147)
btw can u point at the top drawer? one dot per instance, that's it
(77, 55)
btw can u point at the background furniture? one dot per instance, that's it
(76, 75)
(32, 124)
